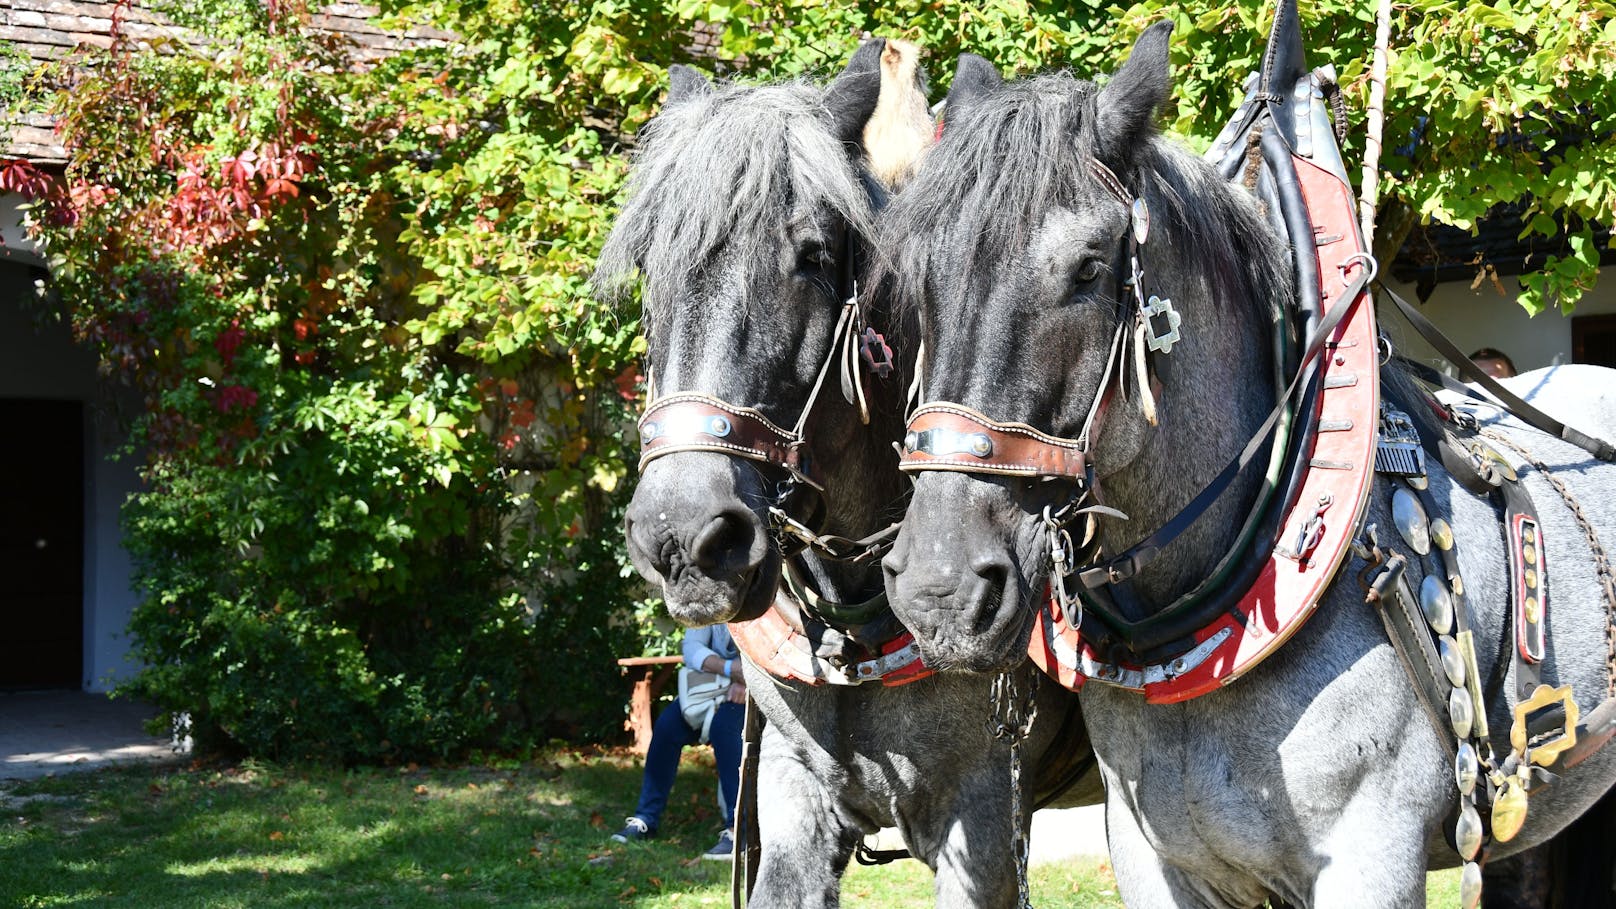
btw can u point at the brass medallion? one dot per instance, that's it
(1509, 810)
(1442, 534)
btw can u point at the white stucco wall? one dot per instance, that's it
(38, 359)
(1484, 318)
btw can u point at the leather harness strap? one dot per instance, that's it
(1128, 563)
(749, 838)
(1395, 603)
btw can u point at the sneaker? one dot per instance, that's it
(634, 829)
(723, 850)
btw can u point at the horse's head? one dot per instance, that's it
(747, 208)
(1016, 242)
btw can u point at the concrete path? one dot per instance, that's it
(48, 732)
(1059, 834)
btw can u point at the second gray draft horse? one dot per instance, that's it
(1321, 777)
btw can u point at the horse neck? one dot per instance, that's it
(1213, 399)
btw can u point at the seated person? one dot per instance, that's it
(1494, 362)
(712, 650)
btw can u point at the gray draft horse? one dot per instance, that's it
(1316, 779)
(745, 205)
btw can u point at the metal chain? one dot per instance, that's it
(1602, 570)
(1009, 722)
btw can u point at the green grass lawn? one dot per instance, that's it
(508, 834)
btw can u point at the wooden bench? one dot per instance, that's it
(648, 674)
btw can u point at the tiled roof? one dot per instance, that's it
(1435, 254)
(47, 30)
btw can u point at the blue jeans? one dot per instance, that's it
(669, 737)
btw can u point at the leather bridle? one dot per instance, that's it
(943, 435)
(697, 421)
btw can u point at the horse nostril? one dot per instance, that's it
(995, 572)
(732, 541)
(641, 538)
(895, 562)
(995, 585)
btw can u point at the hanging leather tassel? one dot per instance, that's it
(1147, 396)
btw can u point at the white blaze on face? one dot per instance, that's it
(901, 129)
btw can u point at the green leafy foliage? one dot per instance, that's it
(383, 427)
(386, 428)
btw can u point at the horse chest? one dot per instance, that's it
(1250, 782)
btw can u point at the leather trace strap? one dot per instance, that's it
(945, 436)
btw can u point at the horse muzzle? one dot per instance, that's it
(690, 529)
(954, 579)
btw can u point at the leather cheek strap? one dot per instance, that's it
(946, 436)
(697, 422)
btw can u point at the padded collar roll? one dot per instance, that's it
(945, 436)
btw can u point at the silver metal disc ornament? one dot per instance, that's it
(1452, 660)
(1466, 768)
(1409, 516)
(1460, 712)
(1139, 214)
(1470, 886)
(1436, 604)
(1467, 832)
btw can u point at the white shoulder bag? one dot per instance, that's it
(700, 693)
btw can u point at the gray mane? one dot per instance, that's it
(1011, 157)
(725, 170)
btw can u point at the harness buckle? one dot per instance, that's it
(1545, 725)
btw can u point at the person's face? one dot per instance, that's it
(1498, 369)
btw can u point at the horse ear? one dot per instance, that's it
(851, 97)
(1126, 107)
(685, 83)
(974, 79)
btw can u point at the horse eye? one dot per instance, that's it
(1089, 271)
(813, 257)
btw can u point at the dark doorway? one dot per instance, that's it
(42, 544)
(1593, 340)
